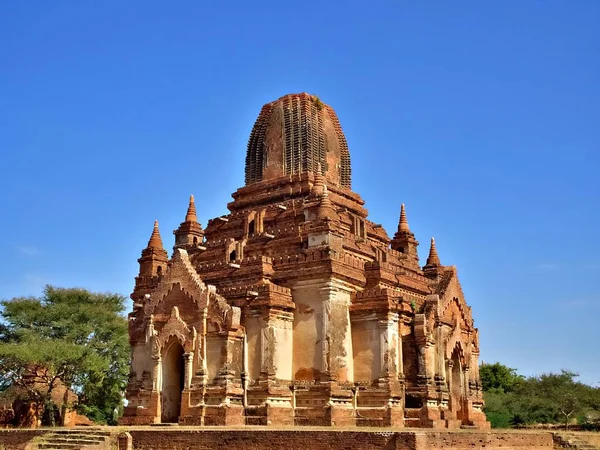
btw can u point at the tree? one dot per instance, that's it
(67, 336)
(512, 400)
(498, 377)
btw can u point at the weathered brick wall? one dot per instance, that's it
(201, 439)
(263, 440)
(348, 439)
(18, 439)
(463, 440)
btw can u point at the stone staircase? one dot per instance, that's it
(74, 439)
(570, 440)
(412, 417)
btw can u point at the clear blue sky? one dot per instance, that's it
(483, 117)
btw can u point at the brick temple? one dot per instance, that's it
(294, 308)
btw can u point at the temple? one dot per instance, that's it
(294, 308)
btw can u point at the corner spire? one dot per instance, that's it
(191, 212)
(155, 239)
(403, 224)
(433, 260)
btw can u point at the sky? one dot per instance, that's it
(482, 117)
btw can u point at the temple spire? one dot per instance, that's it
(191, 212)
(155, 239)
(433, 260)
(189, 235)
(403, 224)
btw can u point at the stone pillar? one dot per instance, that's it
(400, 352)
(188, 360)
(337, 344)
(430, 360)
(155, 404)
(267, 350)
(201, 375)
(276, 351)
(156, 373)
(388, 346)
(125, 441)
(187, 369)
(320, 303)
(276, 344)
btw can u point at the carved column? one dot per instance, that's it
(399, 327)
(155, 404)
(337, 361)
(187, 369)
(425, 348)
(156, 373)
(267, 349)
(440, 353)
(388, 334)
(201, 374)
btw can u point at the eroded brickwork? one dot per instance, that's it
(335, 440)
(295, 308)
(18, 439)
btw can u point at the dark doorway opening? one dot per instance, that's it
(172, 382)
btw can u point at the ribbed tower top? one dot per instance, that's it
(297, 133)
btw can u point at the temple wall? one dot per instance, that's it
(340, 360)
(213, 356)
(367, 357)
(410, 358)
(236, 350)
(283, 335)
(253, 329)
(308, 334)
(140, 360)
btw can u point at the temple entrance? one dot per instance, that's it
(456, 387)
(172, 382)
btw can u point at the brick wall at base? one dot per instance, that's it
(463, 440)
(18, 439)
(337, 440)
(262, 440)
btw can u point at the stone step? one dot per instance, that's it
(256, 420)
(83, 431)
(69, 440)
(55, 445)
(412, 422)
(412, 413)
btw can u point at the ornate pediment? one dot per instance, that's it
(453, 299)
(179, 271)
(177, 327)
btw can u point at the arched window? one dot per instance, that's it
(233, 255)
(251, 228)
(195, 240)
(159, 271)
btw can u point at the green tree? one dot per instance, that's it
(69, 336)
(512, 400)
(499, 377)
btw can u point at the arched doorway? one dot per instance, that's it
(456, 387)
(172, 382)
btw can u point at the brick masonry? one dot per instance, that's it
(18, 439)
(294, 308)
(338, 440)
(261, 439)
